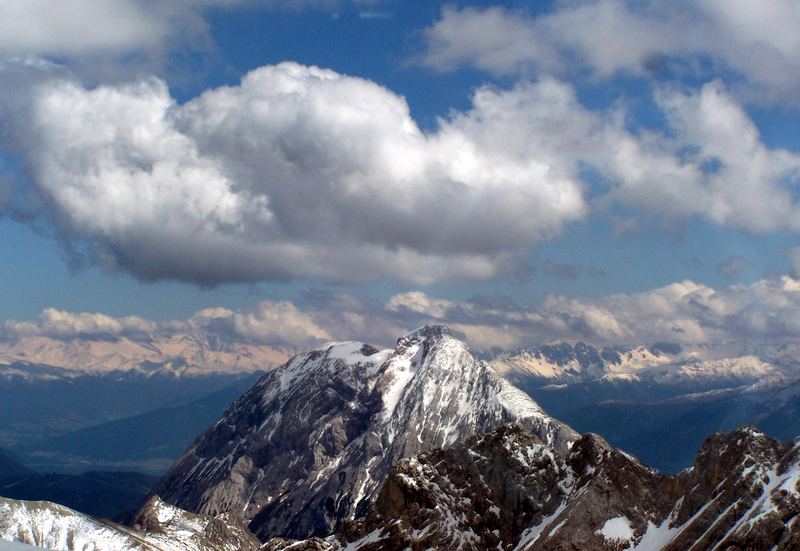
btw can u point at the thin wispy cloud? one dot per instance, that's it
(734, 265)
(376, 15)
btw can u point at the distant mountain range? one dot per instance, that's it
(39, 357)
(677, 370)
(11, 465)
(35, 413)
(661, 401)
(425, 447)
(118, 390)
(101, 494)
(148, 442)
(134, 404)
(107, 495)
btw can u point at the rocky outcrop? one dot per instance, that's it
(743, 492)
(508, 490)
(162, 524)
(159, 527)
(309, 446)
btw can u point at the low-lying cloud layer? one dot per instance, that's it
(767, 311)
(301, 172)
(269, 323)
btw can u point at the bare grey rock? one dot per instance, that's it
(309, 446)
(507, 490)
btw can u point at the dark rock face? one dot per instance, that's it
(459, 494)
(741, 493)
(508, 490)
(309, 446)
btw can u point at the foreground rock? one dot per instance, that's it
(159, 527)
(508, 490)
(504, 490)
(309, 446)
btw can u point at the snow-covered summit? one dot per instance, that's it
(309, 445)
(425, 332)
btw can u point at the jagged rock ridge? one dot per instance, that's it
(504, 490)
(508, 490)
(310, 444)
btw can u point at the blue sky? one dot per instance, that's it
(550, 149)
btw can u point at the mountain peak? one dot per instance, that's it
(308, 446)
(426, 332)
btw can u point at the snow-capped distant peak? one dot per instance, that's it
(659, 364)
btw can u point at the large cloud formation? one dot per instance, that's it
(686, 312)
(755, 39)
(60, 324)
(297, 172)
(301, 172)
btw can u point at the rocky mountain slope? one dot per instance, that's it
(506, 490)
(509, 490)
(158, 527)
(310, 444)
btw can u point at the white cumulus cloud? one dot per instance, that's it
(61, 324)
(297, 172)
(685, 312)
